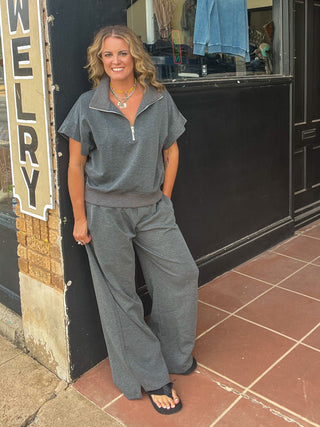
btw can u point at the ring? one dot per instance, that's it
(79, 243)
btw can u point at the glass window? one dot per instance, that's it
(206, 38)
(6, 200)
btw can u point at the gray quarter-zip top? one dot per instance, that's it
(124, 165)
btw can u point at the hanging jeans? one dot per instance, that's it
(142, 355)
(222, 26)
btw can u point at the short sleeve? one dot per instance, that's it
(176, 123)
(76, 126)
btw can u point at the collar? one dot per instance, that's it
(101, 101)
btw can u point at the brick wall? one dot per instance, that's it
(39, 248)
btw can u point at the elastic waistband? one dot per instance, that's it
(121, 200)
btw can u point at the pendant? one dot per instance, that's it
(122, 104)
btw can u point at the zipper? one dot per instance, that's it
(147, 106)
(132, 133)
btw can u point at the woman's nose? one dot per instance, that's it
(116, 59)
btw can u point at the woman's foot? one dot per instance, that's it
(165, 400)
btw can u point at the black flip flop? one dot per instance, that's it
(165, 390)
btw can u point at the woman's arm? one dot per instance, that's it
(76, 191)
(171, 161)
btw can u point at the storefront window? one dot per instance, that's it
(191, 39)
(6, 200)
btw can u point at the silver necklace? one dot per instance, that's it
(122, 102)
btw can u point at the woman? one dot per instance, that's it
(123, 163)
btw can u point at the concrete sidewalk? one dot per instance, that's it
(30, 395)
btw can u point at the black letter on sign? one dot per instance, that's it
(31, 184)
(21, 115)
(24, 132)
(24, 43)
(18, 9)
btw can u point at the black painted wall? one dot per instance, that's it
(234, 175)
(232, 195)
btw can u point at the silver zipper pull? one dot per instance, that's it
(132, 132)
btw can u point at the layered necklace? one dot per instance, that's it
(126, 94)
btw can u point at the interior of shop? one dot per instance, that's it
(169, 30)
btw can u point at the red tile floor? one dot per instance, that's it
(258, 348)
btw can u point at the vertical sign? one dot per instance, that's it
(27, 105)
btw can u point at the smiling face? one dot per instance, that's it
(117, 61)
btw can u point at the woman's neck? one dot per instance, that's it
(123, 86)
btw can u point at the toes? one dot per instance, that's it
(167, 403)
(175, 396)
(163, 401)
(157, 400)
(171, 403)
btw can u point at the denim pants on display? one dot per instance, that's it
(140, 354)
(222, 27)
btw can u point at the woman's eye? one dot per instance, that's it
(123, 53)
(107, 55)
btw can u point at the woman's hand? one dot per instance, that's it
(76, 190)
(80, 232)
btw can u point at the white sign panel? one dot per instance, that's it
(27, 105)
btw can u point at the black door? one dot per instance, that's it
(306, 133)
(9, 279)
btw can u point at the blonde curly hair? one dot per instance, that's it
(144, 70)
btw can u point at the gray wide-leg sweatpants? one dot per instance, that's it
(142, 355)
